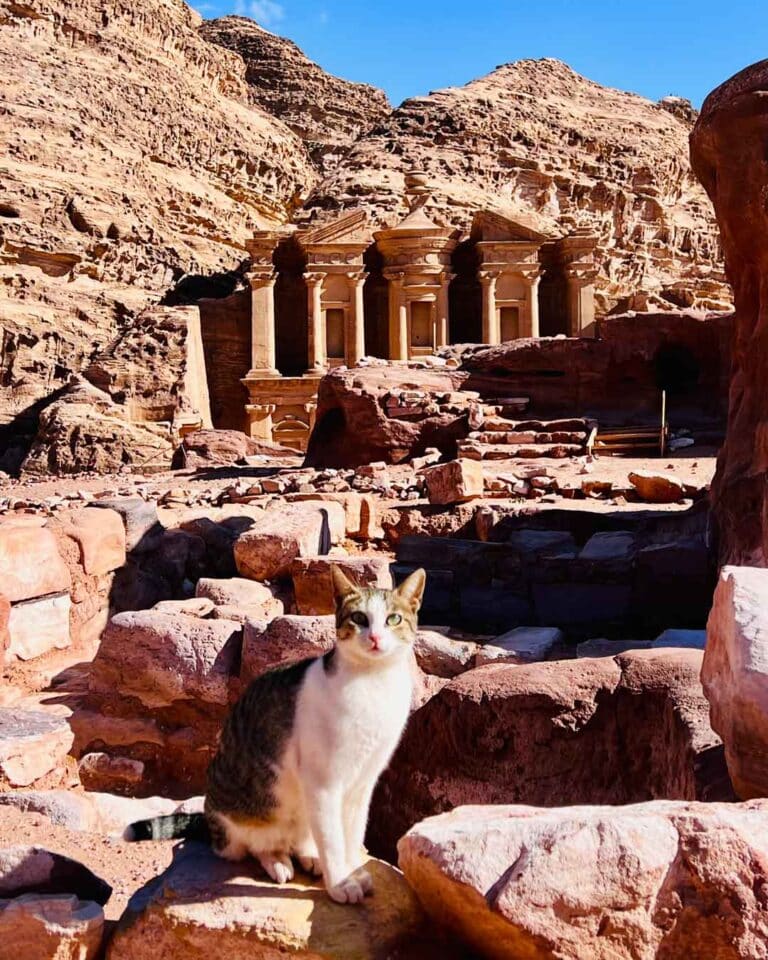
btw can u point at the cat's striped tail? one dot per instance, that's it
(174, 826)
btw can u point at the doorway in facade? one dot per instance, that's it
(422, 334)
(334, 333)
(509, 322)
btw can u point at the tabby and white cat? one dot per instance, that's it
(302, 750)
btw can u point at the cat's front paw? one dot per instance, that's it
(365, 880)
(350, 890)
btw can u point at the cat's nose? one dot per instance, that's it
(374, 641)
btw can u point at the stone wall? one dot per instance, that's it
(226, 335)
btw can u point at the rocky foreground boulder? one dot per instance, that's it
(735, 675)
(205, 906)
(611, 730)
(652, 881)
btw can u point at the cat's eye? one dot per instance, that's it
(359, 618)
(393, 619)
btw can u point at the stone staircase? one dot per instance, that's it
(500, 437)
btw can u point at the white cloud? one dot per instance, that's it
(265, 12)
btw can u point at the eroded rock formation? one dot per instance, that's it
(728, 156)
(328, 113)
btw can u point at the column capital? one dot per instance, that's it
(580, 273)
(356, 276)
(313, 279)
(446, 276)
(488, 276)
(262, 409)
(394, 276)
(261, 278)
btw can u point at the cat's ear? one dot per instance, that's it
(411, 590)
(342, 585)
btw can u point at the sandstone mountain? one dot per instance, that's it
(536, 140)
(328, 113)
(130, 154)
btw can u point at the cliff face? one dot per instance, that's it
(328, 113)
(534, 138)
(728, 154)
(131, 154)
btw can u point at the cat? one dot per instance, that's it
(302, 750)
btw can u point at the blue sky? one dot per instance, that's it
(655, 48)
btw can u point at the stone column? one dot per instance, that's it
(580, 299)
(317, 345)
(262, 284)
(529, 322)
(442, 334)
(260, 420)
(491, 330)
(354, 339)
(398, 317)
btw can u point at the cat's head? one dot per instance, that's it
(373, 625)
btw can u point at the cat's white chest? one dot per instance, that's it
(354, 721)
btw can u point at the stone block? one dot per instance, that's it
(312, 579)
(284, 640)
(30, 563)
(32, 744)
(653, 487)
(143, 530)
(440, 655)
(454, 482)
(521, 645)
(25, 868)
(735, 675)
(100, 536)
(692, 639)
(37, 626)
(609, 545)
(161, 658)
(52, 927)
(259, 599)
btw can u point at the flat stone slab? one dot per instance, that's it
(32, 744)
(521, 645)
(693, 639)
(611, 545)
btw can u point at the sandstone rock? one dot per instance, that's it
(359, 511)
(201, 607)
(32, 744)
(52, 927)
(609, 545)
(160, 658)
(735, 675)
(65, 808)
(598, 882)
(26, 869)
(442, 656)
(284, 640)
(569, 731)
(328, 113)
(37, 626)
(100, 535)
(727, 157)
(5, 637)
(219, 908)
(521, 645)
(84, 430)
(30, 565)
(143, 530)
(208, 448)
(258, 599)
(454, 482)
(312, 579)
(100, 771)
(269, 547)
(657, 487)
(352, 426)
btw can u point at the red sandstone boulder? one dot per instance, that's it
(267, 549)
(652, 881)
(312, 579)
(33, 744)
(284, 640)
(571, 731)
(209, 448)
(258, 600)
(728, 157)
(52, 927)
(37, 626)
(454, 482)
(655, 487)
(160, 658)
(735, 675)
(30, 565)
(100, 536)
(355, 425)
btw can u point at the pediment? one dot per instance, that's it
(351, 228)
(489, 225)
